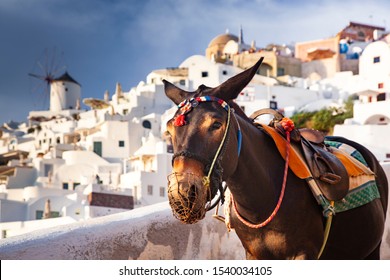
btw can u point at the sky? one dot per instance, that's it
(102, 42)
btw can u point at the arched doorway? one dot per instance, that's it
(378, 119)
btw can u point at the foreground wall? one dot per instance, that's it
(145, 233)
(385, 248)
(367, 135)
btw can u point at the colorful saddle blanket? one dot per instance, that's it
(362, 184)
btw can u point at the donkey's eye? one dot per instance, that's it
(216, 125)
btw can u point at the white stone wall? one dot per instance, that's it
(145, 233)
(385, 248)
(367, 135)
(362, 113)
(376, 72)
(24, 176)
(216, 72)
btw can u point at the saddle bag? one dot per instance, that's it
(327, 170)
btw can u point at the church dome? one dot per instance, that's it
(223, 39)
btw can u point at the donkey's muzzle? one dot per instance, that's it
(188, 197)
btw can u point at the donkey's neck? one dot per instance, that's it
(256, 183)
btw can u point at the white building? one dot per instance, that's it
(370, 125)
(260, 93)
(147, 172)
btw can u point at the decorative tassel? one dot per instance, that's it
(179, 120)
(288, 124)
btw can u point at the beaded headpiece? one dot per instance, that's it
(186, 106)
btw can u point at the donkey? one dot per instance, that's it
(214, 142)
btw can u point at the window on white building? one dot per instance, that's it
(162, 191)
(47, 169)
(205, 74)
(273, 105)
(135, 194)
(98, 147)
(381, 97)
(377, 59)
(38, 214)
(147, 124)
(121, 143)
(280, 71)
(361, 34)
(150, 190)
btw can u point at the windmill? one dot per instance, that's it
(45, 70)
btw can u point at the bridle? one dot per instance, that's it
(186, 107)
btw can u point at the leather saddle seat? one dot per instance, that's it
(327, 170)
(314, 136)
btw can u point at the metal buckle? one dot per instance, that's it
(194, 103)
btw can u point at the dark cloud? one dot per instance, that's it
(104, 42)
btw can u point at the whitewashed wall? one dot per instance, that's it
(385, 249)
(145, 233)
(367, 135)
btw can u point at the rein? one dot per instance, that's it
(288, 126)
(206, 179)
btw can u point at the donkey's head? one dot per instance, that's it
(203, 131)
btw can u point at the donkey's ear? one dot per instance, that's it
(232, 87)
(174, 93)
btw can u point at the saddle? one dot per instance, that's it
(326, 169)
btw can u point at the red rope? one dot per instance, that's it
(288, 126)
